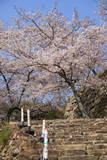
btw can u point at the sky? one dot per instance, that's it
(85, 7)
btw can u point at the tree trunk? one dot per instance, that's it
(80, 105)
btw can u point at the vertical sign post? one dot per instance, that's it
(45, 149)
(28, 119)
(22, 117)
(43, 128)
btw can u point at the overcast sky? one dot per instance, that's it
(85, 7)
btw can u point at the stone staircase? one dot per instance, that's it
(79, 139)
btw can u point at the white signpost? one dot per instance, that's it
(45, 149)
(28, 118)
(22, 116)
(43, 128)
(45, 154)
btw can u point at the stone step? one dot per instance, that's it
(80, 139)
(78, 157)
(76, 129)
(60, 153)
(74, 122)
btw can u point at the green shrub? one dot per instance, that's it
(54, 114)
(48, 114)
(5, 134)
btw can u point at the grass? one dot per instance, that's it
(5, 134)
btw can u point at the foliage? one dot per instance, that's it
(38, 110)
(27, 104)
(5, 134)
(52, 114)
(55, 115)
(46, 111)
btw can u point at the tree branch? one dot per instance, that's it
(7, 86)
(24, 88)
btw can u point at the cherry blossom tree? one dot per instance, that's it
(14, 82)
(67, 54)
(20, 79)
(103, 9)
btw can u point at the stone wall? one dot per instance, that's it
(77, 139)
(94, 102)
(71, 109)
